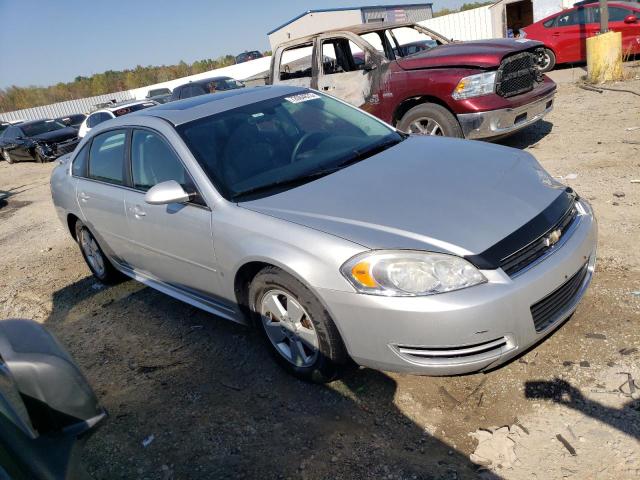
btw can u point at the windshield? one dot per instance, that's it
(38, 128)
(266, 147)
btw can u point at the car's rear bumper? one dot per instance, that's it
(468, 330)
(503, 122)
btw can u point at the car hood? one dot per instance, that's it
(426, 193)
(481, 54)
(57, 135)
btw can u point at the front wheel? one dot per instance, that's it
(298, 330)
(430, 119)
(7, 157)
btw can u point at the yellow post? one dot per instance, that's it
(604, 57)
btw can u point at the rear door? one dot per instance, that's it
(295, 66)
(569, 34)
(172, 243)
(100, 191)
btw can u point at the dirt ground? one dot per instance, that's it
(215, 405)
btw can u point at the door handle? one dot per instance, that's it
(138, 212)
(325, 88)
(83, 196)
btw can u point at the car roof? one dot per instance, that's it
(204, 81)
(187, 110)
(585, 3)
(119, 105)
(358, 29)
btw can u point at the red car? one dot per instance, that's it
(564, 34)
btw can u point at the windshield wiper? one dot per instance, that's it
(357, 155)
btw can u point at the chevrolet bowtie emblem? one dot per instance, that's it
(552, 238)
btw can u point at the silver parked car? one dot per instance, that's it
(340, 236)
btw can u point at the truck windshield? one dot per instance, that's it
(266, 147)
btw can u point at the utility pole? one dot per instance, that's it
(604, 17)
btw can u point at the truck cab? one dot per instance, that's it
(421, 82)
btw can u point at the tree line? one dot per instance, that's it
(17, 98)
(465, 6)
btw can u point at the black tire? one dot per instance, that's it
(7, 157)
(425, 113)
(331, 357)
(108, 275)
(549, 61)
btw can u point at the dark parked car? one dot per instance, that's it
(202, 87)
(39, 140)
(160, 95)
(246, 56)
(74, 120)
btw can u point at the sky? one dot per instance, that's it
(43, 42)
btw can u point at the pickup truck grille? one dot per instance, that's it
(518, 74)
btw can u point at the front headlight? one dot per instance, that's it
(475, 85)
(409, 273)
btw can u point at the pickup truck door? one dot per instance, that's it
(295, 66)
(347, 69)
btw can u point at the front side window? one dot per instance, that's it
(106, 158)
(278, 143)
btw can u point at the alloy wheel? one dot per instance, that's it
(289, 328)
(92, 252)
(426, 126)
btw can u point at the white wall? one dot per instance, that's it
(314, 23)
(468, 25)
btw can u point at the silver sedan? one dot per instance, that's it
(337, 235)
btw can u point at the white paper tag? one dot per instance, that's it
(303, 97)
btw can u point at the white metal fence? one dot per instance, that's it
(468, 25)
(55, 110)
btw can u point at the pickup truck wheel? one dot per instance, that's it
(96, 260)
(548, 61)
(7, 157)
(430, 119)
(299, 332)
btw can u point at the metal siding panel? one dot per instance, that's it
(468, 25)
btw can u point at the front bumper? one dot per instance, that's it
(54, 150)
(503, 122)
(468, 330)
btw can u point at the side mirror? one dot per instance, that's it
(630, 19)
(165, 193)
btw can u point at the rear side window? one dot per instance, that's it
(106, 158)
(296, 62)
(549, 23)
(573, 17)
(79, 167)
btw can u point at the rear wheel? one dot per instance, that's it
(548, 61)
(430, 119)
(7, 157)
(97, 261)
(298, 330)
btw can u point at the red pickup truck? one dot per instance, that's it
(420, 82)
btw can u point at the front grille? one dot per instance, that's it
(536, 249)
(67, 147)
(478, 351)
(547, 310)
(518, 74)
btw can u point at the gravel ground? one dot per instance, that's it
(216, 406)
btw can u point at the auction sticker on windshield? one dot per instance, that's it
(303, 97)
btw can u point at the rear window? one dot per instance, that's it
(133, 108)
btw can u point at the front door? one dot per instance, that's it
(346, 71)
(100, 193)
(171, 243)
